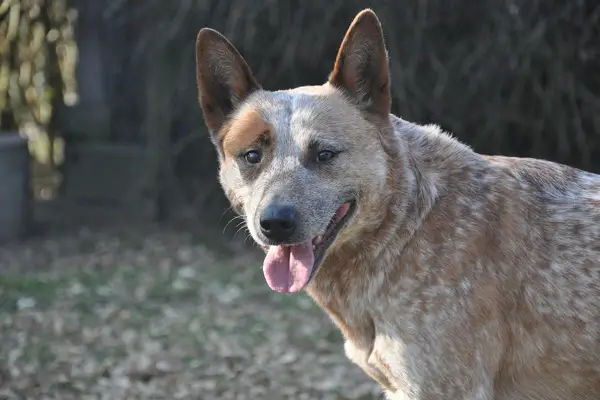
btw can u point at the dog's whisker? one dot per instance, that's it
(225, 211)
(240, 229)
(232, 220)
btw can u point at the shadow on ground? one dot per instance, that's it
(148, 313)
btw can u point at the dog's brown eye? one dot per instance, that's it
(325, 155)
(252, 157)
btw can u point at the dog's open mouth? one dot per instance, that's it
(289, 268)
(320, 244)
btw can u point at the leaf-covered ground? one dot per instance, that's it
(153, 314)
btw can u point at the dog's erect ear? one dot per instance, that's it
(224, 79)
(362, 67)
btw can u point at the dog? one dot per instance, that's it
(451, 274)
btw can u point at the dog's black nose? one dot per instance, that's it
(278, 222)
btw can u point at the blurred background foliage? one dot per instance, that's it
(38, 57)
(516, 77)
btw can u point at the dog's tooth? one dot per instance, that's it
(318, 239)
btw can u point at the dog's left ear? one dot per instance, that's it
(224, 78)
(361, 67)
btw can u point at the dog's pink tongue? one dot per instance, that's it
(287, 269)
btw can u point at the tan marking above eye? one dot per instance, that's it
(245, 131)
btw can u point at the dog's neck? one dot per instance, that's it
(416, 182)
(394, 218)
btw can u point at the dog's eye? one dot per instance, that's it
(252, 157)
(325, 155)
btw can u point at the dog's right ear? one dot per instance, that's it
(223, 76)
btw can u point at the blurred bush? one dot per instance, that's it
(37, 69)
(38, 56)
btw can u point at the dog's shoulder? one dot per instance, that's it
(566, 201)
(547, 209)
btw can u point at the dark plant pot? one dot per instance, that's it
(15, 191)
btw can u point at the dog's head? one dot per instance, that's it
(301, 165)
